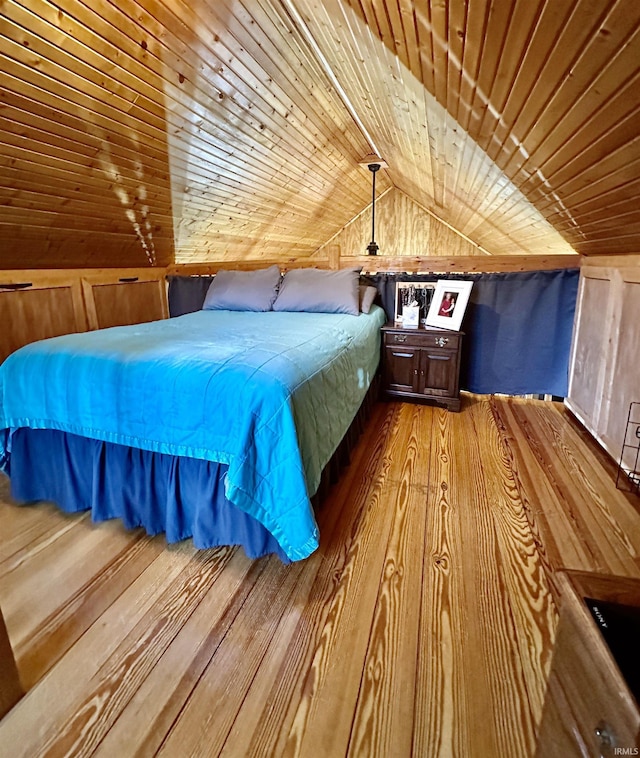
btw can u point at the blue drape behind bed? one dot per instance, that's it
(519, 333)
(518, 329)
(187, 293)
(518, 326)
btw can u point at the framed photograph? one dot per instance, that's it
(408, 293)
(449, 303)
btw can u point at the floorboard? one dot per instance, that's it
(423, 626)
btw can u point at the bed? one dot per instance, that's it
(214, 425)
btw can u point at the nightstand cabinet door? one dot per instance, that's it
(439, 372)
(402, 367)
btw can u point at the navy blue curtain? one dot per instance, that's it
(518, 333)
(187, 293)
(517, 326)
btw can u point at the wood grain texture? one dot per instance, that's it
(386, 700)
(402, 228)
(247, 264)
(587, 692)
(440, 163)
(37, 304)
(396, 263)
(624, 389)
(197, 130)
(605, 351)
(462, 264)
(422, 625)
(10, 686)
(502, 623)
(129, 303)
(35, 314)
(147, 133)
(291, 677)
(590, 528)
(589, 354)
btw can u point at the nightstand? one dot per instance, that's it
(421, 364)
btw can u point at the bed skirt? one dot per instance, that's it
(182, 497)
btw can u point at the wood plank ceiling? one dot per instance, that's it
(146, 131)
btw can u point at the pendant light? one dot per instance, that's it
(374, 164)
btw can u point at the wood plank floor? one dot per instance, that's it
(423, 626)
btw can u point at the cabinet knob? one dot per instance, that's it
(399, 337)
(442, 341)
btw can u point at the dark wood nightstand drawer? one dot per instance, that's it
(422, 338)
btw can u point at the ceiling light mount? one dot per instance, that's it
(371, 159)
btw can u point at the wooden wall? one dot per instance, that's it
(85, 167)
(39, 304)
(483, 108)
(402, 228)
(140, 132)
(604, 377)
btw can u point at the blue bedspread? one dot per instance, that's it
(270, 394)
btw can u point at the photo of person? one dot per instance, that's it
(447, 305)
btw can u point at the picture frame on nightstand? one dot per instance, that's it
(413, 292)
(449, 303)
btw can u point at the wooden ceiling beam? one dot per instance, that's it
(462, 264)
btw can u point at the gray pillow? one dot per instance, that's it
(243, 290)
(317, 291)
(367, 296)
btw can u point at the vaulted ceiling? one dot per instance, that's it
(137, 132)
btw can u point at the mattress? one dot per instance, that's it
(270, 395)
